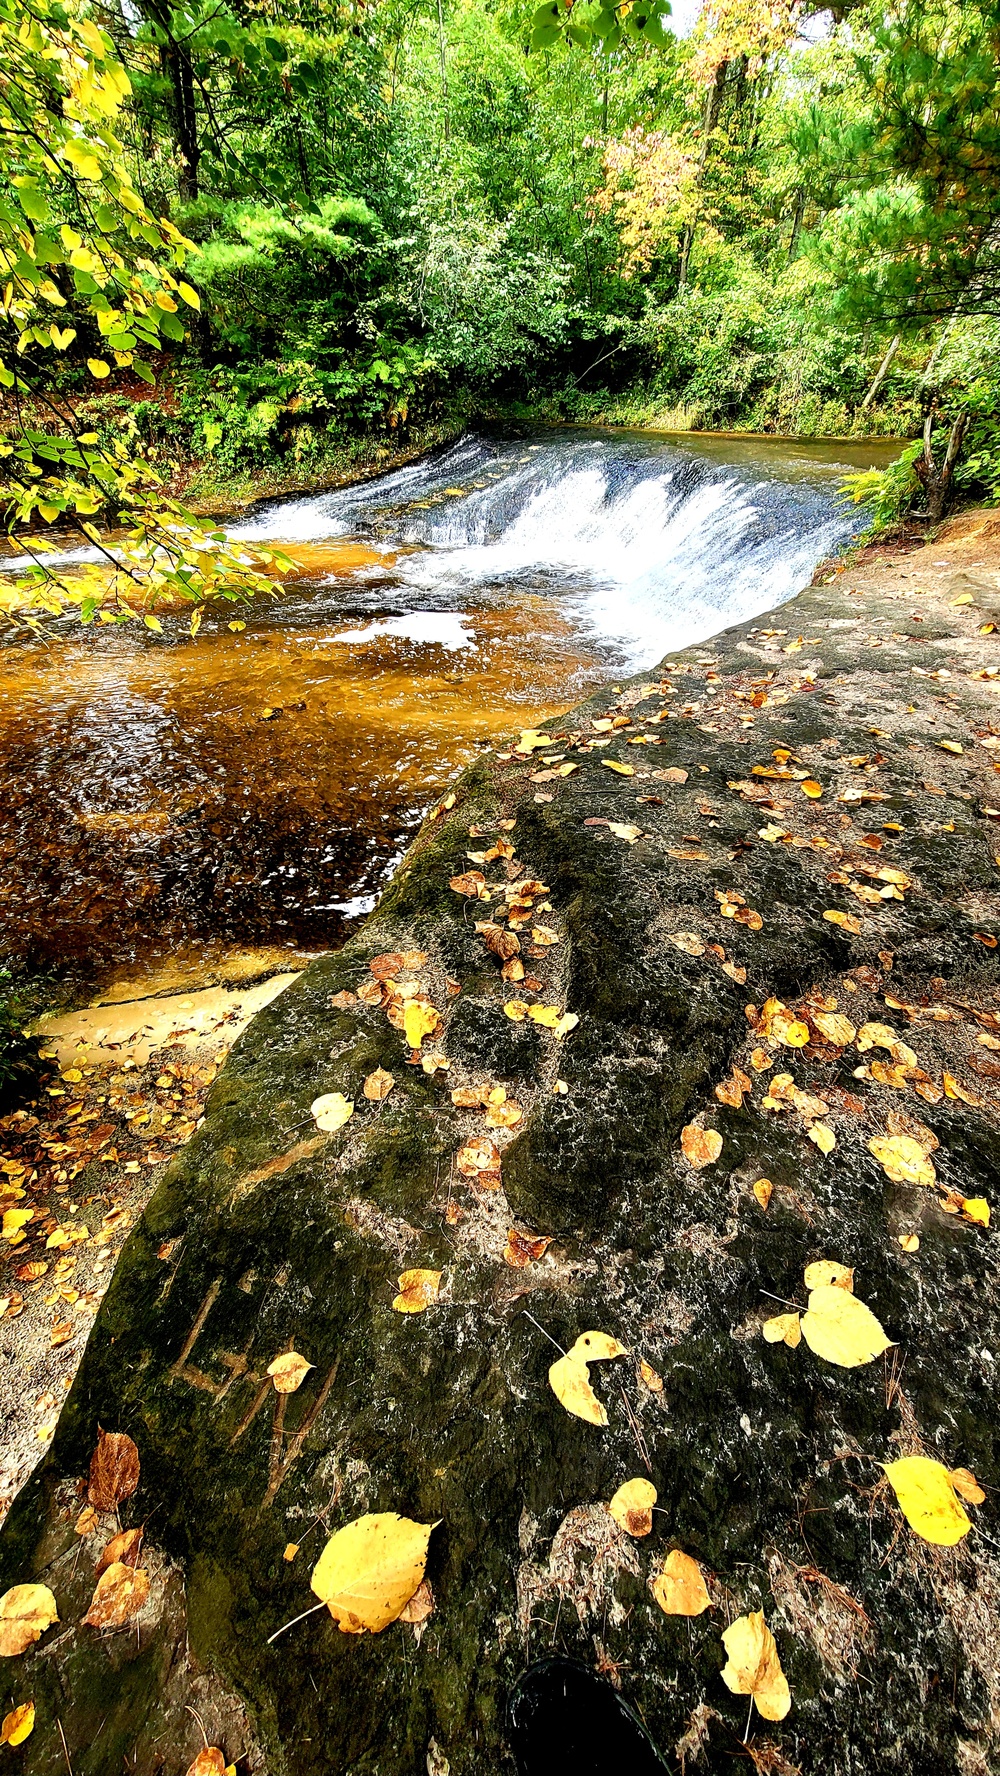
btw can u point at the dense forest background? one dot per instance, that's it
(411, 213)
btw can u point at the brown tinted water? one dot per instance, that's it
(254, 789)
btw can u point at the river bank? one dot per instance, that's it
(795, 834)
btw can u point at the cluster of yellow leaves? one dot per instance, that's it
(836, 1325)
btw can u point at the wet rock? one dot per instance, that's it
(766, 1460)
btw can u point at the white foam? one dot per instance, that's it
(428, 628)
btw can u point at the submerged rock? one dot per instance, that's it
(268, 1235)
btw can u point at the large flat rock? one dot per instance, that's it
(267, 1234)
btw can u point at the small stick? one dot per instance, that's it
(543, 1332)
(782, 1299)
(291, 1624)
(64, 1746)
(746, 1736)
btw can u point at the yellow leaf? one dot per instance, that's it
(120, 1594)
(98, 368)
(846, 921)
(967, 1486)
(419, 1020)
(418, 1289)
(13, 1221)
(835, 1027)
(331, 1111)
(950, 746)
(649, 1376)
(902, 1159)
(823, 1136)
(701, 1147)
(910, 1242)
(926, 1496)
(622, 770)
(288, 1372)
(18, 1724)
(632, 1507)
(25, 1613)
(828, 1271)
(191, 297)
(378, 1085)
(209, 1762)
(762, 1191)
(841, 1329)
(976, 1208)
(811, 788)
(753, 1667)
(679, 1588)
(531, 740)
(783, 1329)
(569, 1378)
(370, 1569)
(154, 624)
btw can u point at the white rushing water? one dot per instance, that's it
(645, 545)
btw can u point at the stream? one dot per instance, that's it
(175, 801)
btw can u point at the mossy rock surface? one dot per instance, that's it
(268, 1235)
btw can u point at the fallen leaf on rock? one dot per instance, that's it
(331, 1111)
(811, 788)
(114, 1470)
(834, 1026)
(846, 921)
(548, 1016)
(516, 1010)
(967, 1486)
(883, 1036)
(419, 1020)
(378, 1085)
(418, 1289)
(763, 1190)
(622, 770)
(342, 1000)
(753, 1667)
(632, 1507)
(622, 831)
(120, 1594)
(910, 1242)
(731, 1091)
(123, 1548)
(531, 740)
(673, 774)
(500, 942)
(14, 1223)
(503, 1116)
(25, 1613)
(544, 936)
(688, 942)
(478, 1156)
(953, 1088)
(902, 1159)
(470, 1097)
(291, 1549)
(841, 1329)
(86, 1522)
(420, 1606)
(370, 1569)
(524, 1248)
(739, 975)
(649, 1376)
(761, 1061)
(18, 1724)
(823, 1136)
(701, 1147)
(783, 1329)
(288, 1372)
(435, 1063)
(472, 884)
(826, 1271)
(927, 1498)
(976, 1208)
(679, 1587)
(569, 1378)
(209, 1762)
(513, 970)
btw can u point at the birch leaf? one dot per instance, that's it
(288, 1372)
(680, 1588)
(418, 1289)
(569, 1378)
(331, 1111)
(926, 1495)
(841, 1329)
(120, 1594)
(18, 1724)
(902, 1159)
(783, 1329)
(370, 1569)
(419, 1020)
(25, 1613)
(753, 1668)
(632, 1507)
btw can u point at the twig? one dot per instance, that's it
(64, 1746)
(548, 1335)
(782, 1299)
(746, 1736)
(291, 1624)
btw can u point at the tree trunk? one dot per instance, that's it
(793, 244)
(880, 375)
(938, 483)
(444, 69)
(713, 105)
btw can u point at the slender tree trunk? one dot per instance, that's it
(175, 60)
(713, 105)
(444, 69)
(880, 375)
(938, 482)
(800, 208)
